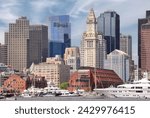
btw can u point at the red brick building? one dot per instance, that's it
(15, 83)
(86, 77)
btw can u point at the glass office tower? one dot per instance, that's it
(108, 23)
(59, 35)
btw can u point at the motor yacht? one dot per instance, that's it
(136, 89)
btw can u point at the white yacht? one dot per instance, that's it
(137, 89)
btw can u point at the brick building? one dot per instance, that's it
(15, 83)
(85, 79)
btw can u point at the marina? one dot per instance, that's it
(72, 98)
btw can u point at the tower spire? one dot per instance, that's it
(91, 21)
(91, 17)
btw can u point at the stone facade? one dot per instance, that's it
(92, 44)
(54, 70)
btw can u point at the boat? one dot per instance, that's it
(26, 94)
(2, 96)
(136, 89)
(66, 93)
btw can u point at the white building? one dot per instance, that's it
(119, 61)
(72, 57)
(54, 70)
(92, 44)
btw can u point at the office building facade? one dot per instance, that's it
(119, 61)
(38, 46)
(92, 44)
(25, 43)
(126, 44)
(145, 46)
(59, 35)
(17, 41)
(3, 53)
(109, 24)
(141, 21)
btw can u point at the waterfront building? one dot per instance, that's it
(59, 34)
(145, 46)
(88, 78)
(141, 21)
(72, 58)
(109, 24)
(25, 44)
(92, 44)
(119, 61)
(54, 70)
(126, 44)
(15, 83)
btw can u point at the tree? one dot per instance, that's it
(64, 85)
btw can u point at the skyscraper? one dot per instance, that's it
(92, 44)
(59, 34)
(38, 46)
(126, 44)
(17, 41)
(25, 43)
(140, 22)
(145, 46)
(3, 53)
(109, 24)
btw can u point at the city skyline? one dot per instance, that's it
(38, 12)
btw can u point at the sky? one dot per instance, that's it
(38, 11)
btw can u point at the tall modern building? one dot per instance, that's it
(3, 53)
(126, 44)
(109, 24)
(72, 58)
(17, 41)
(92, 44)
(140, 22)
(38, 46)
(119, 61)
(25, 43)
(59, 35)
(145, 46)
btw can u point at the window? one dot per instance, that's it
(89, 43)
(138, 87)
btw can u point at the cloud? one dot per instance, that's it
(2, 30)
(7, 11)
(38, 11)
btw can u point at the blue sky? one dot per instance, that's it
(38, 11)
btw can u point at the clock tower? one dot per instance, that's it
(92, 44)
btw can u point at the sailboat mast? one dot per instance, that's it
(95, 78)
